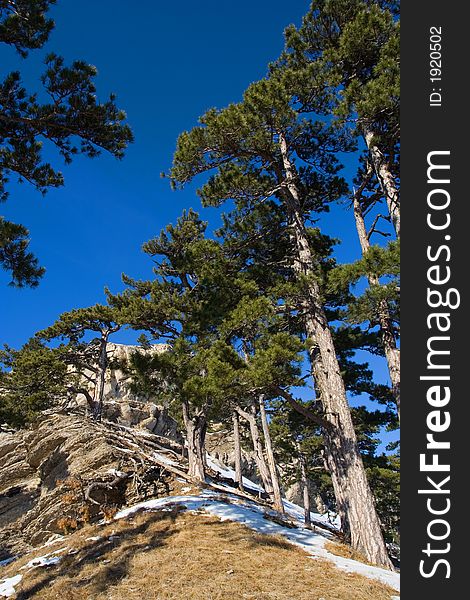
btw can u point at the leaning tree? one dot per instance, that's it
(85, 334)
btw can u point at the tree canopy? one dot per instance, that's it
(70, 118)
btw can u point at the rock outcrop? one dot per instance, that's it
(68, 468)
(123, 405)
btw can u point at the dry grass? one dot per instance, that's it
(346, 552)
(182, 556)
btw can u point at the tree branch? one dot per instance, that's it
(303, 410)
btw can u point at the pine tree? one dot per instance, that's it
(350, 49)
(36, 378)
(384, 475)
(378, 305)
(299, 448)
(88, 357)
(72, 119)
(344, 59)
(193, 287)
(31, 380)
(222, 357)
(14, 255)
(271, 359)
(237, 449)
(262, 151)
(384, 308)
(24, 25)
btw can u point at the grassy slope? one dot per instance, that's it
(182, 556)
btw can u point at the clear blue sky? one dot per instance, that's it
(167, 63)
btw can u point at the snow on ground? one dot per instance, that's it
(298, 513)
(228, 507)
(43, 561)
(293, 510)
(229, 473)
(47, 560)
(117, 473)
(7, 586)
(252, 515)
(53, 540)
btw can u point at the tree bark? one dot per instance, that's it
(258, 448)
(385, 178)
(389, 341)
(196, 427)
(278, 505)
(305, 492)
(355, 502)
(237, 450)
(100, 382)
(89, 398)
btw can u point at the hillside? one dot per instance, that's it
(101, 510)
(176, 555)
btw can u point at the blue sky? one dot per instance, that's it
(168, 63)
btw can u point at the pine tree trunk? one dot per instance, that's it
(305, 493)
(355, 502)
(237, 450)
(392, 353)
(278, 505)
(196, 427)
(101, 379)
(258, 448)
(385, 178)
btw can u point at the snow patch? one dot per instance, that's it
(117, 473)
(229, 473)
(53, 540)
(7, 586)
(45, 561)
(292, 509)
(42, 561)
(298, 513)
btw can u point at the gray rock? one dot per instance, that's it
(60, 448)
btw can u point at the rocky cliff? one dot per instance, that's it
(121, 404)
(67, 469)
